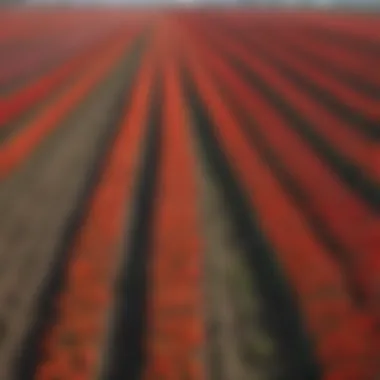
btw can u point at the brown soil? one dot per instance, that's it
(238, 345)
(35, 203)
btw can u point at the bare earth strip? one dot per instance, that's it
(35, 203)
(11, 129)
(239, 347)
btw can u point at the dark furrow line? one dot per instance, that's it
(25, 365)
(48, 65)
(352, 43)
(350, 79)
(354, 119)
(350, 173)
(282, 312)
(20, 123)
(127, 350)
(15, 84)
(287, 180)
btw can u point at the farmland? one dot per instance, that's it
(189, 194)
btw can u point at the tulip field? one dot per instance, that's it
(189, 194)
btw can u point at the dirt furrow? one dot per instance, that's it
(239, 345)
(37, 201)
